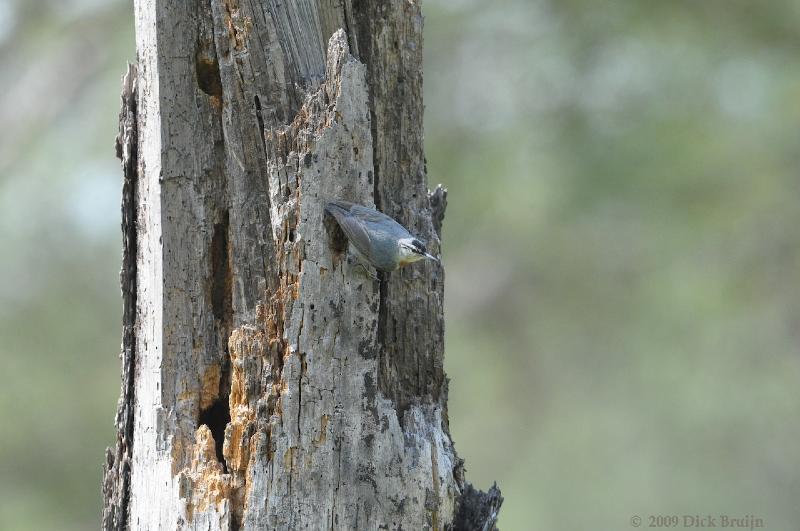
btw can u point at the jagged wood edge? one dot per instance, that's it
(117, 468)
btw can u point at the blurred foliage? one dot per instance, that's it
(621, 247)
(60, 308)
(622, 254)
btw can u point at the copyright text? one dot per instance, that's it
(696, 521)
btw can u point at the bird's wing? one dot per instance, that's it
(336, 203)
(370, 215)
(353, 227)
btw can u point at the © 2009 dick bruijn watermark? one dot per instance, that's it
(696, 521)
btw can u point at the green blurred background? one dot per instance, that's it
(623, 306)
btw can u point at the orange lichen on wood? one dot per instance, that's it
(209, 385)
(204, 483)
(247, 347)
(239, 26)
(178, 455)
(236, 447)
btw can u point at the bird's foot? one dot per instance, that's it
(367, 272)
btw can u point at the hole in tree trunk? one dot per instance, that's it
(208, 75)
(216, 417)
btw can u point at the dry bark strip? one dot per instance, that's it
(266, 383)
(117, 469)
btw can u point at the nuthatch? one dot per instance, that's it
(376, 238)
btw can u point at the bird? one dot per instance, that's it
(375, 238)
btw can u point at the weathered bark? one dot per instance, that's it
(266, 384)
(116, 481)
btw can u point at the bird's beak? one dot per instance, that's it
(432, 257)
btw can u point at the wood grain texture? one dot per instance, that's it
(274, 386)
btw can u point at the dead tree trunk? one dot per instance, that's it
(266, 384)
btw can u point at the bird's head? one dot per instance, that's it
(412, 250)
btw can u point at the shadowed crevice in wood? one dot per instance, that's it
(222, 275)
(216, 418)
(260, 121)
(364, 25)
(205, 57)
(208, 78)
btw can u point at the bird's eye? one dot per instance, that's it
(419, 247)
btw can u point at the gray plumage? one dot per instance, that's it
(376, 238)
